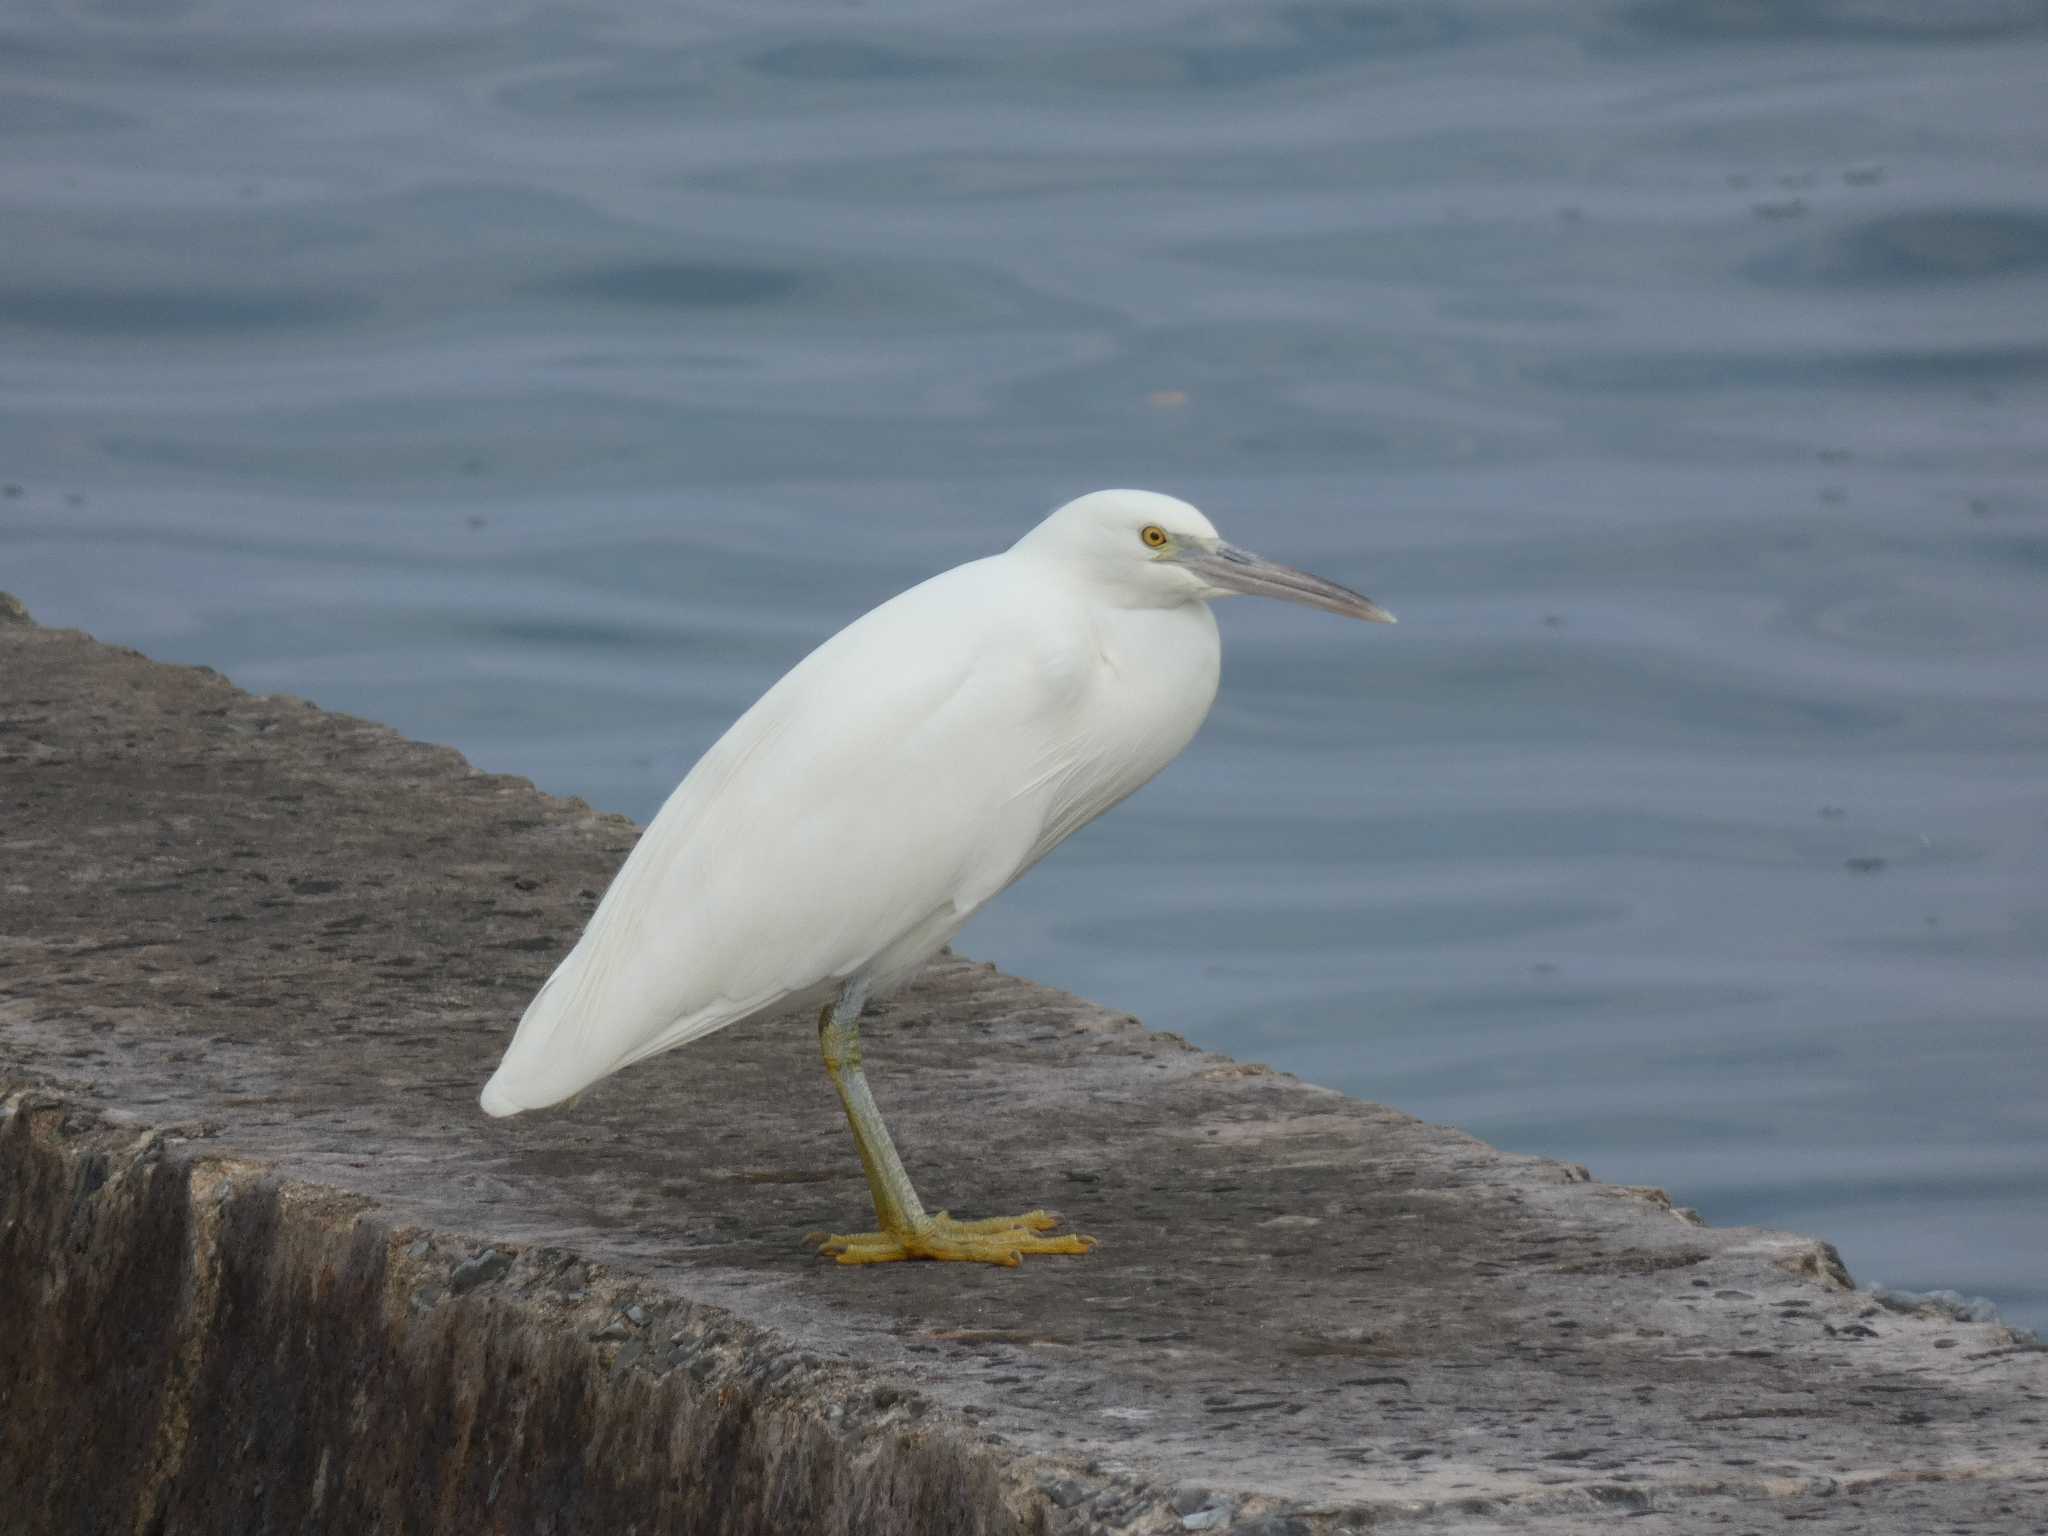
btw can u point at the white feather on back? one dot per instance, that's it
(858, 814)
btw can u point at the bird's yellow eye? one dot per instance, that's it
(1154, 536)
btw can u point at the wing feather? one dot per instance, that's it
(863, 808)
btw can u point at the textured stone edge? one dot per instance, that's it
(208, 1342)
(208, 1347)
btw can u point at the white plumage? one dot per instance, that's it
(894, 781)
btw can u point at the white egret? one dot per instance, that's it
(873, 800)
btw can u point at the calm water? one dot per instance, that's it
(547, 383)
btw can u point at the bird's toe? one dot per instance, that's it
(1002, 1240)
(1030, 1221)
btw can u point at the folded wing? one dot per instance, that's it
(851, 820)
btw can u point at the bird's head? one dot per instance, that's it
(1155, 551)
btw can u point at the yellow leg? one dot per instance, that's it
(907, 1232)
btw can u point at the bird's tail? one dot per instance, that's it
(497, 1100)
(532, 1075)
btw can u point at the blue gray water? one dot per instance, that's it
(546, 380)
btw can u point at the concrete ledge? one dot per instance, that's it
(277, 1272)
(215, 1350)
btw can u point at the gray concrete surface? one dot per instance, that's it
(277, 1271)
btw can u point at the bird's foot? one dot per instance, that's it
(993, 1240)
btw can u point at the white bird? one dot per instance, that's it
(873, 800)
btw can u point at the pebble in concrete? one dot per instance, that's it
(485, 1267)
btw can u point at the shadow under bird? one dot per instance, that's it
(873, 800)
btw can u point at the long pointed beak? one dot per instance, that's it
(1230, 569)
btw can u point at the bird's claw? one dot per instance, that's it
(1000, 1240)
